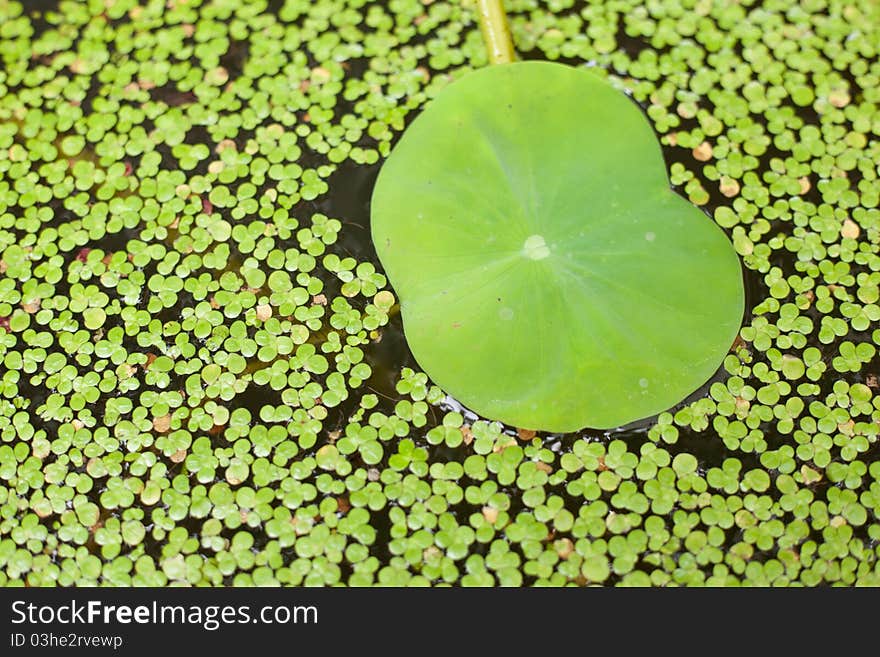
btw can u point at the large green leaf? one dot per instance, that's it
(548, 275)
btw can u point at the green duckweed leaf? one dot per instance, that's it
(548, 275)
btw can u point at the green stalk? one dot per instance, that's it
(496, 33)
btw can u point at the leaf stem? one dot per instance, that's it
(496, 33)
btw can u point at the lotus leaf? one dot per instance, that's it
(549, 277)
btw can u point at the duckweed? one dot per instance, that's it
(202, 377)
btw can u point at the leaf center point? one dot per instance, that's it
(535, 247)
